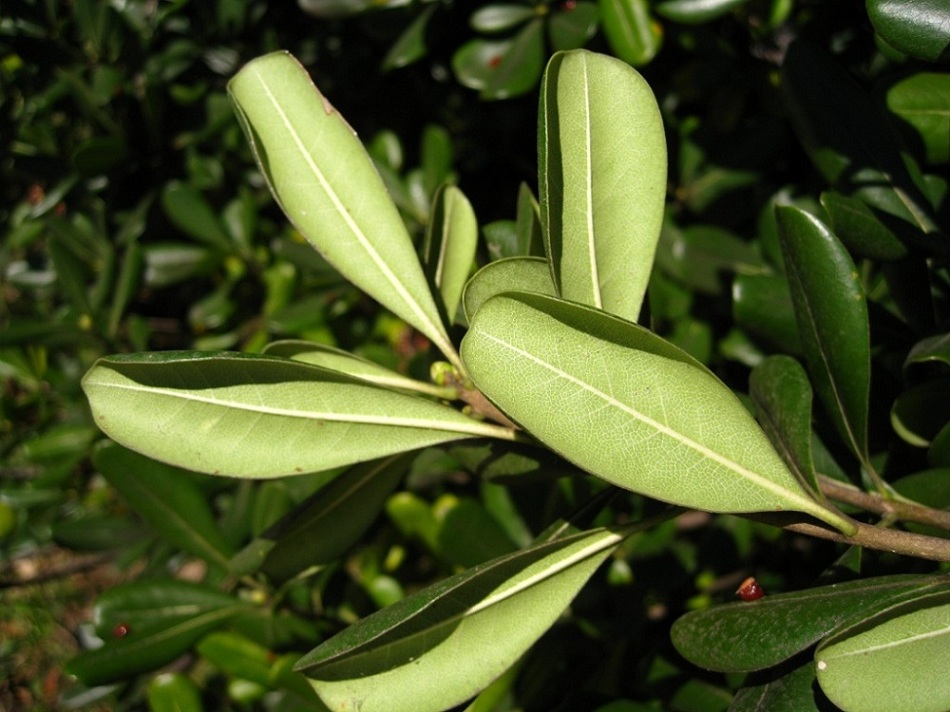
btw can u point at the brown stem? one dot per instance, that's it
(871, 537)
(873, 502)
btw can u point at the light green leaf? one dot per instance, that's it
(895, 661)
(695, 12)
(923, 101)
(173, 692)
(451, 241)
(832, 317)
(259, 416)
(406, 658)
(501, 69)
(499, 17)
(631, 408)
(514, 274)
(602, 178)
(343, 361)
(328, 187)
(634, 35)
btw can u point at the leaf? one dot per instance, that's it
(762, 305)
(173, 692)
(336, 359)
(501, 69)
(704, 256)
(155, 621)
(191, 213)
(499, 18)
(571, 25)
(451, 241)
(521, 274)
(325, 525)
(602, 178)
(696, 12)
(922, 411)
(896, 660)
(634, 35)
(302, 145)
(832, 318)
(411, 45)
(405, 657)
(259, 416)
(850, 142)
(923, 101)
(742, 637)
(920, 28)
(931, 349)
(167, 499)
(855, 223)
(780, 390)
(530, 242)
(791, 692)
(631, 408)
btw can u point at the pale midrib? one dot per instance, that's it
(945, 630)
(473, 428)
(589, 196)
(804, 504)
(432, 329)
(492, 600)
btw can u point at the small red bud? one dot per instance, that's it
(750, 590)
(121, 630)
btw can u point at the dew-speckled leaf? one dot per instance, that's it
(260, 416)
(602, 179)
(634, 35)
(451, 241)
(780, 390)
(923, 101)
(343, 361)
(329, 188)
(832, 318)
(515, 274)
(895, 661)
(630, 408)
(405, 658)
(747, 636)
(325, 525)
(167, 499)
(920, 28)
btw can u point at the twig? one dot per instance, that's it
(873, 502)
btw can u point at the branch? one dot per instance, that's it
(871, 537)
(892, 508)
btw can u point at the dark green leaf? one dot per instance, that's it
(500, 18)
(741, 637)
(530, 242)
(781, 392)
(832, 318)
(695, 12)
(167, 499)
(501, 69)
(173, 692)
(922, 411)
(411, 45)
(792, 692)
(762, 305)
(920, 28)
(191, 213)
(932, 349)
(571, 25)
(633, 34)
(856, 225)
(704, 257)
(167, 264)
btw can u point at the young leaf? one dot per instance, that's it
(406, 657)
(895, 661)
(260, 416)
(167, 498)
(832, 318)
(781, 392)
(742, 637)
(602, 178)
(330, 190)
(521, 274)
(451, 241)
(631, 408)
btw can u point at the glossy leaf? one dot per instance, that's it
(632, 409)
(405, 657)
(602, 178)
(832, 318)
(155, 621)
(167, 499)
(325, 525)
(762, 305)
(855, 223)
(780, 390)
(634, 35)
(742, 637)
(896, 660)
(343, 361)
(260, 416)
(301, 143)
(696, 12)
(920, 28)
(850, 142)
(515, 274)
(923, 101)
(932, 349)
(501, 69)
(571, 25)
(173, 692)
(451, 241)
(499, 17)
